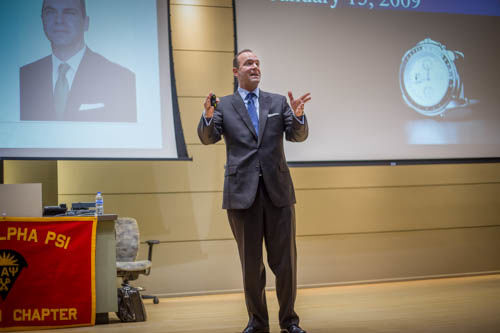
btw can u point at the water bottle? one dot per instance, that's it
(99, 204)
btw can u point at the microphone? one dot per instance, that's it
(213, 101)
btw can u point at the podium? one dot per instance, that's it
(105, 268)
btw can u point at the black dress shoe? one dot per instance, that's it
(251, 329)
(293, 329)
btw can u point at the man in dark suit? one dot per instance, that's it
(74, 83)
(258, 190)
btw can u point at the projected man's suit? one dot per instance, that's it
(74, 83)
(101, 91)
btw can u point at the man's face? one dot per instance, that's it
(248, 72)
(63, 22)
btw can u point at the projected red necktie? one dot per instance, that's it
(61, 90)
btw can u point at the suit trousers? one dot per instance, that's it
(275, 226)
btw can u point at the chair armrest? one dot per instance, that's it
(150, 250)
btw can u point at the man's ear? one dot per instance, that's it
(235, 72)
(86, 23)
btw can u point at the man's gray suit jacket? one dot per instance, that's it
(249, 155)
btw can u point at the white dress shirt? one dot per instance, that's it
(73, 62)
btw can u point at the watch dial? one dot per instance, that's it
(427, 77)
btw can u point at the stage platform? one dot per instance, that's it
(448, 305)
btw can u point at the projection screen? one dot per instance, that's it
(390, 79)
(99, 87)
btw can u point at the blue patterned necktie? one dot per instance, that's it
(252, 111)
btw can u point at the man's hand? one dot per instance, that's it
(298, 104)
(209, 109)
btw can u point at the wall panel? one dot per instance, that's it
(364, 210)
(193, 28)
(25, 171)
(198, 73)
(213, 3)
(205, 173)
(397, 255)
(401, 175)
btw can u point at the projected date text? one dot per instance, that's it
(371, 4)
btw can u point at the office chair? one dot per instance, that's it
(127, 246)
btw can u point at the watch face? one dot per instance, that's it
(428, 79)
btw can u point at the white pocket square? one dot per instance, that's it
(272, 115)
(85, 107)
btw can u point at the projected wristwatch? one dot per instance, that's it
(429, 79)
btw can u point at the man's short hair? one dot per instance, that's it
(82, 5)
(236, 63)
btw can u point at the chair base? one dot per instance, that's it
(155, 299)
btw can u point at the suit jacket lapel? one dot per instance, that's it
(80, 83)
(240, 107)
(47, 88)
(264, 106)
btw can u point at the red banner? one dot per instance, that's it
(47, 272)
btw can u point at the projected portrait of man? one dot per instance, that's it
(74, 83)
